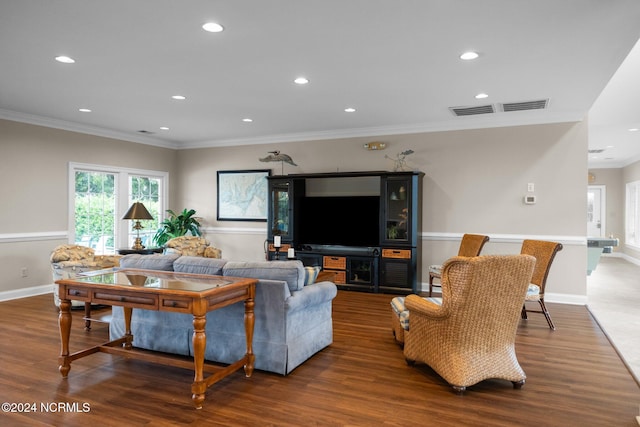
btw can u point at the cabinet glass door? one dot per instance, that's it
(397, 213)
(281, 199)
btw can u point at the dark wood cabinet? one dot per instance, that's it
(368, 235)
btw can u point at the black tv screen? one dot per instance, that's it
(348, 221)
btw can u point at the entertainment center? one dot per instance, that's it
(363, 226)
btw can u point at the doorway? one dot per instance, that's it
(596, 205)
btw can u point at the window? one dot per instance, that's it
(146, 189)
(94, 211)
(632, 224)
(101, 195)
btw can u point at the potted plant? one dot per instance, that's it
(177, 225)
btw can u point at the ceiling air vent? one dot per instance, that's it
(472, 111)
(596, 151)
(526, 105)
(146, 132)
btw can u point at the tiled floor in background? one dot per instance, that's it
(613, 295)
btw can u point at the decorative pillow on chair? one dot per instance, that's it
(311, 274)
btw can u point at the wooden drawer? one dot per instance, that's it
(78, 294)
(396, 253)
(182, 305)
(340, 277)
(125, 299)
(334, 262)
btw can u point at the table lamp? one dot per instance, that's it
(137, 211)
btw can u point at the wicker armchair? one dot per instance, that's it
(470, 245)
(471, 336)
(544, 252)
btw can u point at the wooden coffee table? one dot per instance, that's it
(160, 291)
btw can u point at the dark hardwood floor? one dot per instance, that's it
(574, 377)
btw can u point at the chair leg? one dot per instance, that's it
(430, 283)
(546, 314)
(458, 389)
(523, 313)
(518, 384)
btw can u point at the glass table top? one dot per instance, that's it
(156, 280)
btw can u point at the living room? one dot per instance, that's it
(475, 180)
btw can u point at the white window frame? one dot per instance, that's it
(632, 215)
(122, 203)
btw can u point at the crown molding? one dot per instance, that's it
(496, 120)
(86, 129)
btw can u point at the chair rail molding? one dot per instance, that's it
(33, 236)
(508, 238)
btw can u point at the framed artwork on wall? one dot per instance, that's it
(242, 195)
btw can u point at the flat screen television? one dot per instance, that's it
(346, 221)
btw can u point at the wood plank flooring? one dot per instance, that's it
(574, 378)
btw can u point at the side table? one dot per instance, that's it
(144, 251)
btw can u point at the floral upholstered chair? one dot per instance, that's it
(192, 246)
(67, 261)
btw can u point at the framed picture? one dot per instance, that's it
(242, 195)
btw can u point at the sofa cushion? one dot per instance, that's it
(291, 272)
(199, 265)
(150, 262)
(311, 274)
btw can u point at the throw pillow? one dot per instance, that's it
(311, 274)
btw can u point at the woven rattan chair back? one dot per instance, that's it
(471, 245)
(544, 252)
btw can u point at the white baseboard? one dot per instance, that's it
(26, 292)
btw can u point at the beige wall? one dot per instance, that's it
(475, 181)
(34, 187)
(631, 173)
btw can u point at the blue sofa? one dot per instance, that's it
(292, 318)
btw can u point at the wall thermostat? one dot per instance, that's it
(529, 200)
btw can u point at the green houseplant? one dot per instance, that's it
(177, 225)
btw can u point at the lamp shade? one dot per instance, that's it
(137, 211)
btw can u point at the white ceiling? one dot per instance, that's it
(395, 62)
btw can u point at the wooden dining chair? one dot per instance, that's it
(544, 253)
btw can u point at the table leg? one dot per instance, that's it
(87, 316)
(64, 323)
(127, 327)
(249, 321)
(199, 386)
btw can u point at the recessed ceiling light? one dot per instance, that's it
(634, 130)
(213, 27)
(84, 110)
(247, 120)
(350, 110)
(301, 81)
(467, 56)
(65, 59)
(164, 128)
(482, 96)
(179, 97)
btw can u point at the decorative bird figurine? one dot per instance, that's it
(275, 156)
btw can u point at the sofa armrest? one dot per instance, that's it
(311, 295)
